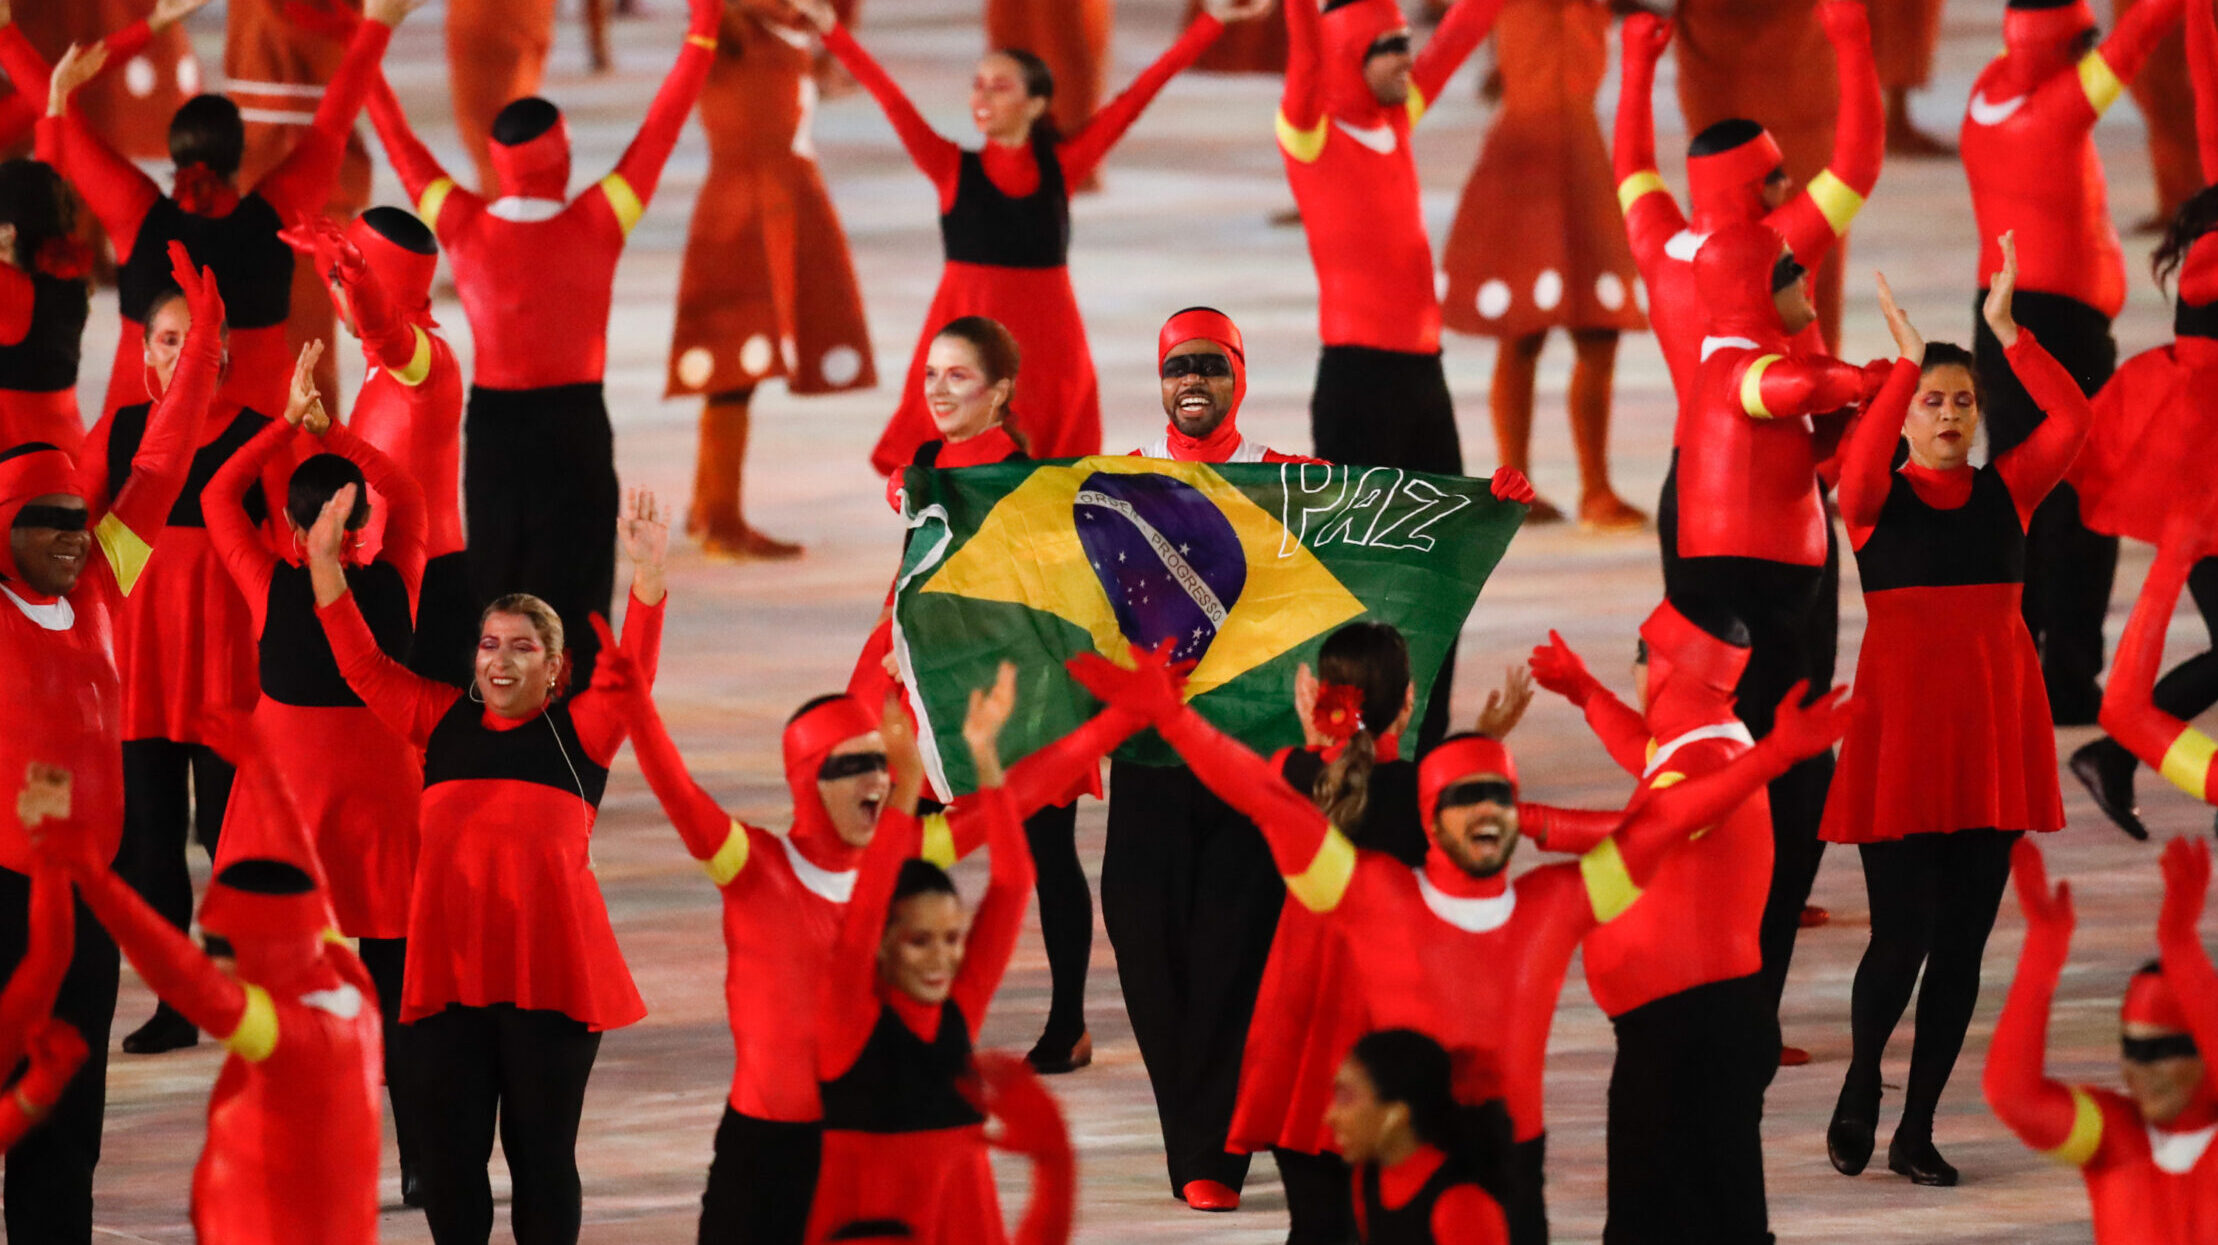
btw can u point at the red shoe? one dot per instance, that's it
(1814, 916)
(1793, 1056)
(1210, 1195)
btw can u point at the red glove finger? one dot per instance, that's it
(1510, 484)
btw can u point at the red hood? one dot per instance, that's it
(405, 274)
(1349, 30)
(1732, 272)
(1453, 759)
(2039, 43)
(1691, 674)
(808, 740)
(28, 472)
(1210, 325)
(1727, 187)
(538, 168)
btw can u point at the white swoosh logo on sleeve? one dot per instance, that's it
(1379, 138)
(1984, 112)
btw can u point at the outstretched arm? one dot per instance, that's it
(402, 348)
(302, 182)
(405, 701)
(1867, 459)
(2053, 1118)
(644, 530)
(934, 156)
(1452, 43)
(1082, 151)
(714, 837)
(1813, 220)
(113, 187)
(429, 187)
(2186, 963)
(1052, 774)
(847, 1002)
(1301, 105)
(2183, 754)
(239, 542)
(633, 183)
(1652, 216)
(1773, 386)
(1622, 730)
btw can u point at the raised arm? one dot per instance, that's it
(1812, 221)
(403, 546)
(429, 187)
(640, 170)
(239, 542)
(31, 76)
(1052, 774)
(2187, 966)
(2036, 464)
(1452, 42)
(1773, 386)
(409, 704)
(2183, 754)
(1623, 732)
(1301, 104)
(934, 156)
(2059, 1121)
(1866, 461)
(644, 530)
(847, 1000)
(1000, 915)
(302, 182)
(714, 837)
(1032, 1125)
(1083, 150)
(111, 186)
(1652, 216)
(403, 349)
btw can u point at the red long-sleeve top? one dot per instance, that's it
(57, 655)
(784, 896)
(410, 406)
(506, 908)
(1015, 171)
(2149, 1184)
(292, 1149)
(1477, 962)
(239, 240)
(537, 277)
(2029, 152)
(1663, 240)
(1748, 482)
(29, 997)
(1349, 164)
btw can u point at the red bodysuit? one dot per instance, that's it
(27, 1005)
(1349, 163)
(537, 272)
(2149, 1184)
(58, 654)
(357, 802)
(900, 1142)
(1726, 188)
(232, 233)
(1005, 235)
(505, 908)
(2029, 148)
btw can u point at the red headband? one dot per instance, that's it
(1210, 325)
(1457, 759)
(2045, 28)
(538, 167)
(405, 275)
(24, 477)
(1691, 651)
(1730, 183)
(2150, 1001)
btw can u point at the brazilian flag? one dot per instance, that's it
(1245, 567)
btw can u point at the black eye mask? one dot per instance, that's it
(850, 765)
(59, 518)
(2156, 1049)
(1483, 791)
(1196, 365)
(1786, 272)
(1389, 45)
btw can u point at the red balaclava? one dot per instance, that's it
(1210, 325)
(2039, 41)
(1349, 30)
(28, 472)
(1726, 187)
(2150, 1001)
(808, 740)
(538, 167)
(1456, 759)
(1691, 673)
(1732, 273)
(404, 261)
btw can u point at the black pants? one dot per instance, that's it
(447, 622)
(1525, 1205)
(1933, 902)
(539, 486)
(1686, 1099)
(2068, 569)
(173, 793)
(387, 962)
(1793, 619)
(761, 1182)
(48, 1184)
(473, 1067)
(1320, 1197)
(1190, 898)
(1066, 920)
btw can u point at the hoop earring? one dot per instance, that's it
(474, 694)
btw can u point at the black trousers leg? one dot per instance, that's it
(1066, 919)
(1146, 878)
(48, 1181)
(761, 1182)
(157, 818)
(545, 1060)
(1975, 867)
(454, 1074)
(2192, 686)
(1229, 925)
(1320, 1206)
(1527, 1206)
(387, 962)
(1902, 881)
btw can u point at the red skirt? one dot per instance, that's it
(184, 642)
(355, 788)
(938, 1182)
(506, 908)
(1308, 1015)
(1949, 728)
(1057, 403)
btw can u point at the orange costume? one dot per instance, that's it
(1247, 47)
(767, 290)
(131, 108)
(1767, 61)
(1072, 36)
(496, 52)
(1538, 242)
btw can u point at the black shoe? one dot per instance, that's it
(1917, 1159)
(1849, 1142)
(411, 1189)
(167, 1031)
(1053, 1060)
(2105, 768)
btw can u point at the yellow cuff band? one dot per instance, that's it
(701, 41)
(432, 199)
(125, 551)
(623, 200)
(419, 363)
(939, 841)
(1303, 145)
(2187, 762)
(1752, 387)
(1836, 199)
(730, 858)
(1416, 103)
(2100, 81)
(1322, 885)
(256, 1037)
(1637, 187)
(1609, 884)
(2086, 1134)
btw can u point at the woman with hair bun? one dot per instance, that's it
(1005, 220)
(44, 301)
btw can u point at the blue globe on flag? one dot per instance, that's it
(1167, 557)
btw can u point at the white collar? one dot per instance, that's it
(2177, 1153)
(1471, 915)
(1711, 345)
(1735, 731)
(55, 615)
(525, 211)
(823, 883)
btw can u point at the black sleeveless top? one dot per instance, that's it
(1412, 1223)
(2195, 319)
(1391, 822)
(902, 1083)
(545, 752)
(128, 429)
(985, 226)
(45, 361)
(253, 264)
(928, 454)
(1915, 545)
(297, 667)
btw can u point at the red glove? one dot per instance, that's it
(1845, 22)
(1806, 730)
(327, 246)
(2186, 883)
(2048, 913)
(1007, 1089)
(1510, 484)
(56, 1051)
(201, 295)
(1646, 35)
(1561, 671)
(1153, 688)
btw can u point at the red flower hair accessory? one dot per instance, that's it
(1338, 713)
(63, 257)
